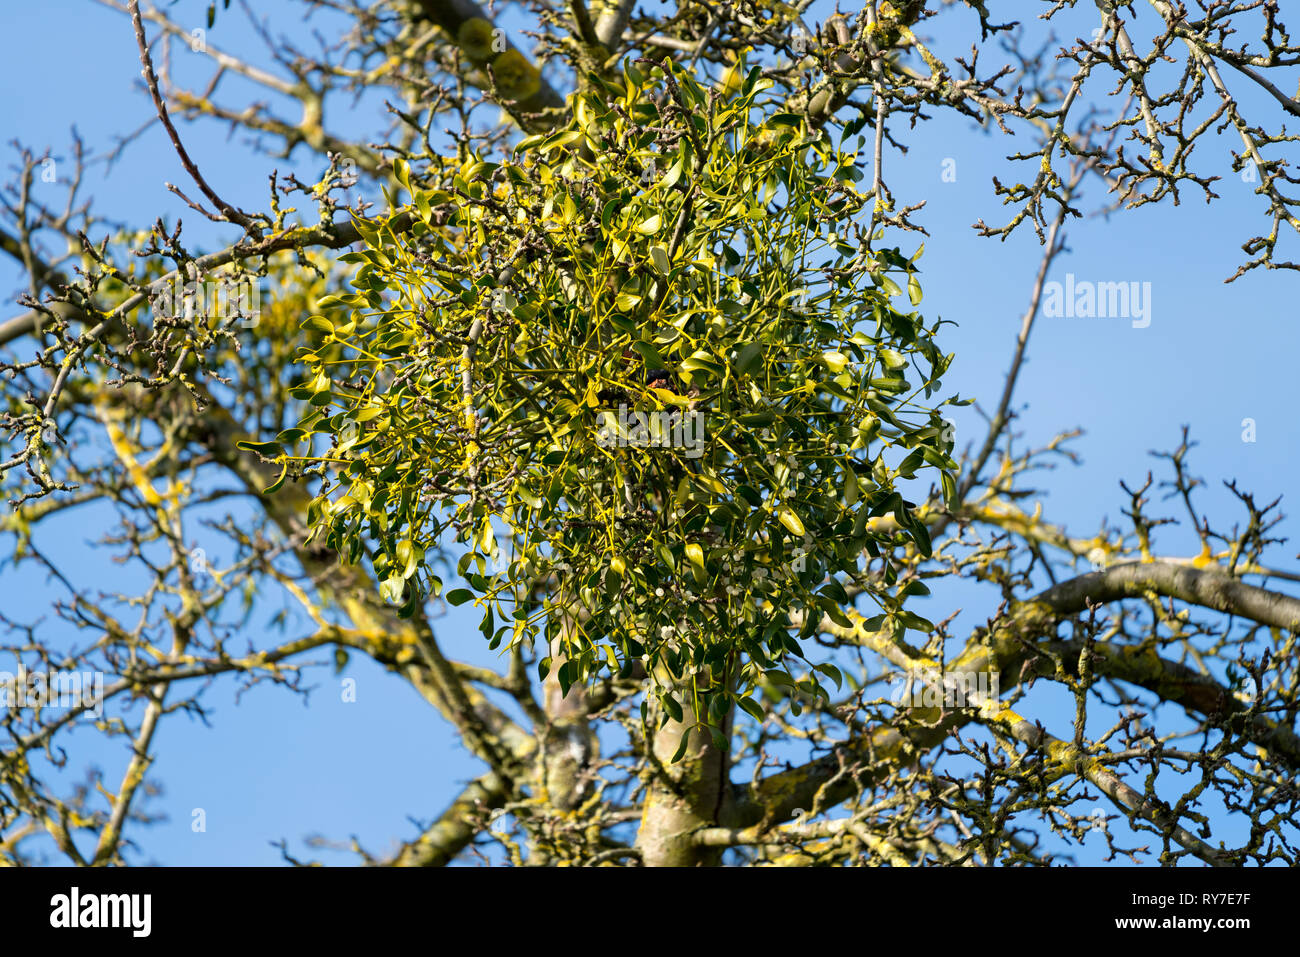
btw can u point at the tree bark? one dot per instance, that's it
(683, 797)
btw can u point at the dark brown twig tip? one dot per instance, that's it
(228, 212)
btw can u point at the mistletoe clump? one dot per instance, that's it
(651, 361)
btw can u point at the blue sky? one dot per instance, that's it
(274, 766)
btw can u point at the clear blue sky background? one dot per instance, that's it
(275, 767)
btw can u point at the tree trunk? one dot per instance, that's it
(683, 797)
